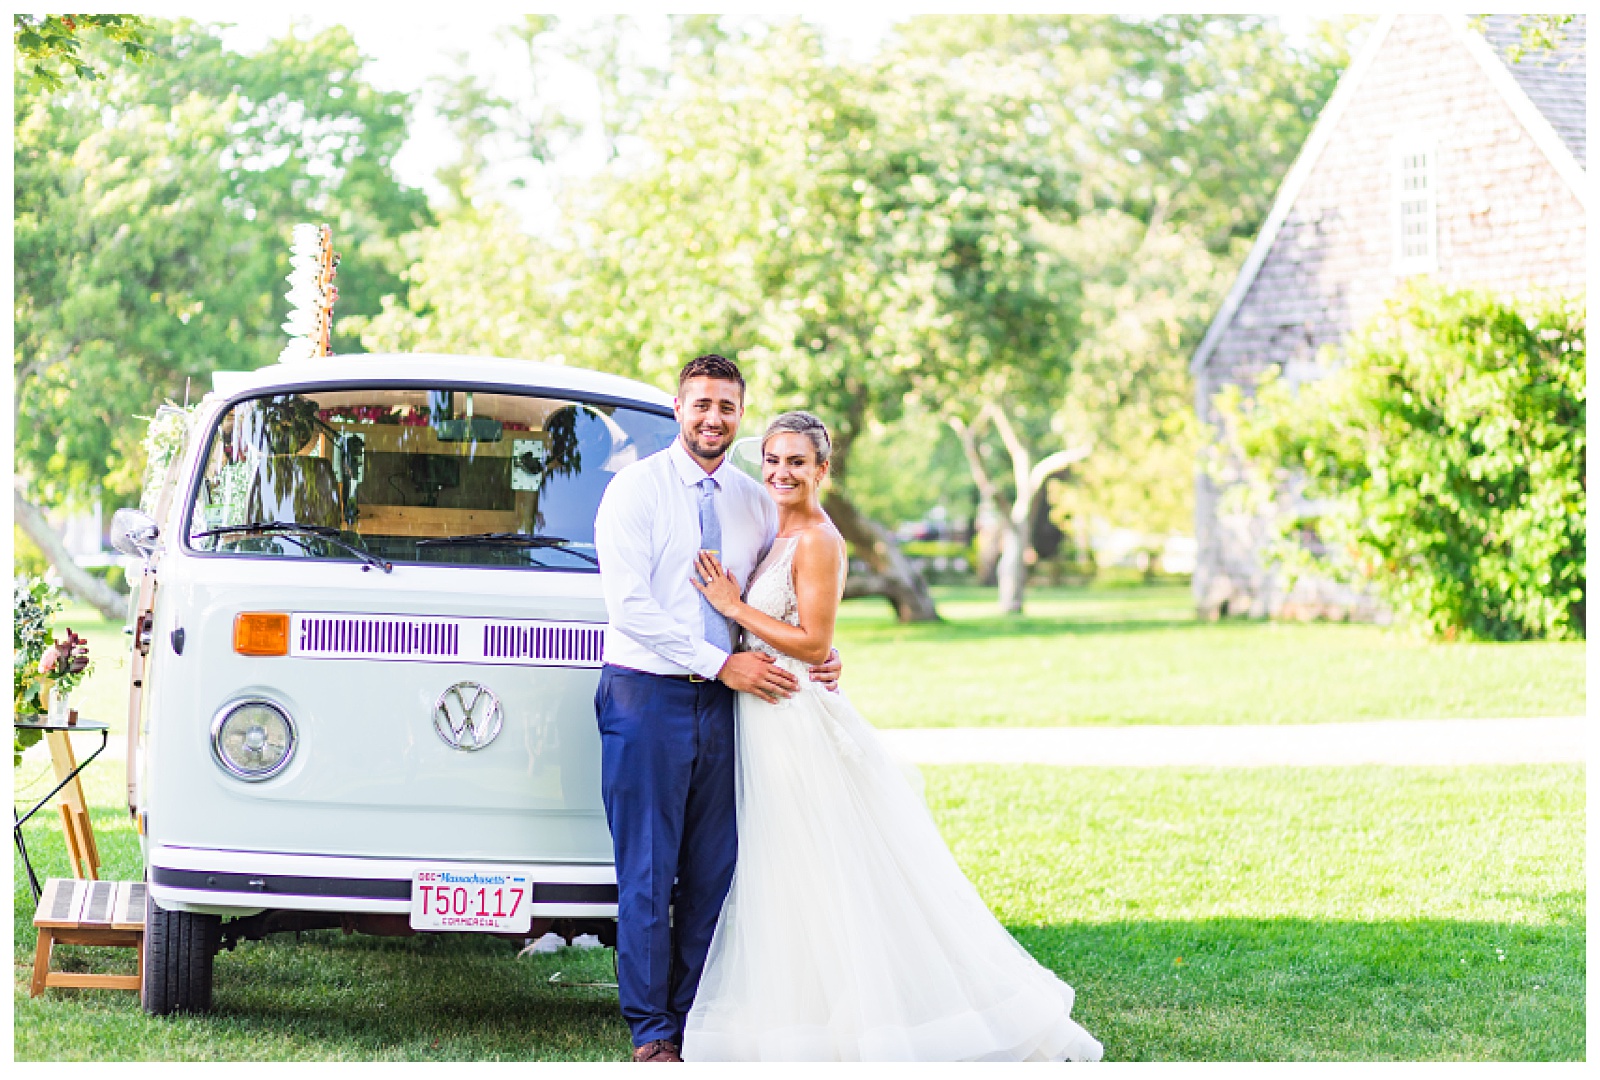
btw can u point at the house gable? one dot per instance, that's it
(1430, 158)
(1554, 82)
(1510, 191)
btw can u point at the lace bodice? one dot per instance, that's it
(771, 592)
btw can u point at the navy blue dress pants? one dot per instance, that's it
(666, 776)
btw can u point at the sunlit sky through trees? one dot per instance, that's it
(410, 47)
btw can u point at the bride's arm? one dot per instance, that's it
(818, 559)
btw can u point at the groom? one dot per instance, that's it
(665, 700)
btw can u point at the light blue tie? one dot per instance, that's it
(711, 540)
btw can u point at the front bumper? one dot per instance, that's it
(239, 883)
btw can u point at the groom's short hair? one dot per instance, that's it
(711, 366)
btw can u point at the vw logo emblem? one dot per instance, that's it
(468, 716)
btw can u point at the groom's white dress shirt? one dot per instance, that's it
(646, 535)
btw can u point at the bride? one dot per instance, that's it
(849, 933)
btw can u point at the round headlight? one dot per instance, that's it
(253, 740)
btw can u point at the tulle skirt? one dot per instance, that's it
(849, 933)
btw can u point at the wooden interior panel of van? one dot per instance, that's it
(381, 520)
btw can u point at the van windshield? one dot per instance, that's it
(449, 476)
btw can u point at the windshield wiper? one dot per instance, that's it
(514, 539)
(322, 532)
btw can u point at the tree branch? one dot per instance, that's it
(968, 435)
(78, 581)
(1059, 462)
(893, 575)
(1021, 459)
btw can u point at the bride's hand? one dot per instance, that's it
(716, 584)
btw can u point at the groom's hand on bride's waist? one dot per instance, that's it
(755, 673)
(827, 672)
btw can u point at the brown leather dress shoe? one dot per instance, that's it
(659, 1050)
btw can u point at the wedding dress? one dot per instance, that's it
(849, 932)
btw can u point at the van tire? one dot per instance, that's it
(179, 950)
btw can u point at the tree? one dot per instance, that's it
(52, 45)
(1090, 150)
(746, 227)
(623, 87)
(1151, 291)
(152, 215)
(495, 132)
(971, 222)
(900, 470)
(1441, 463)
(981, 226)
(731, 230)
(477, 285)
(696, 38)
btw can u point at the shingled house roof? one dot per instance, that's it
(1546, 93)
(1553, 81)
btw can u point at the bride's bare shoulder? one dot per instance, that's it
(820, 545)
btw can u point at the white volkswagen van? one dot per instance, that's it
(366, 645)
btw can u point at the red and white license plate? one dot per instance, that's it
(483, 900)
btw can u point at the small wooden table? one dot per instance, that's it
(82, 853)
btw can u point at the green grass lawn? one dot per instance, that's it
(1287, 914)
(1201, 914)
(1139, 656)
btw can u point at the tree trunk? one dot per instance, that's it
(990, 543)
(78, 581)
(892, 576)
(989, 520)
(1031, 478)
(1012, 570)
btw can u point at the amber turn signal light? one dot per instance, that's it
(261, 633)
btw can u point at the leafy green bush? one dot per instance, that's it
(1442, 460)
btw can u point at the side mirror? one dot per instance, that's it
(134, 532)
(745, 454)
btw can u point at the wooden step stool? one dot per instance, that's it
(75, 911)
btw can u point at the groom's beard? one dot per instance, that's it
(705, 453)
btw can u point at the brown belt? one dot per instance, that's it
(658, 675)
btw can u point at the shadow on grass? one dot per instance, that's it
(321, 996)
(1210, 989)
(328, 996)
(1308, 989)
(427, 996)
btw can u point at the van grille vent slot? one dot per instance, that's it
(443, 640)
(533, 641)
(378, 637)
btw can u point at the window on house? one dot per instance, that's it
(1416, 210)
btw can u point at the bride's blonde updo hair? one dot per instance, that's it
(802, 423)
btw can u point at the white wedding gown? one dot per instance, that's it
(849, 933)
